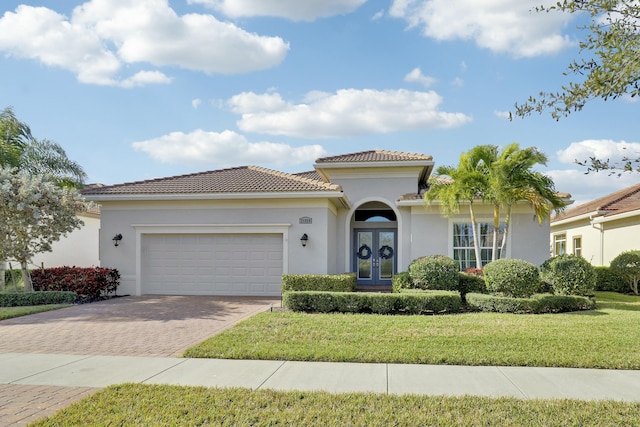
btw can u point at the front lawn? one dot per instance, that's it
(155, 405)
(608, 337)
(9, 312)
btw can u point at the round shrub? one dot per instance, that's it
(434, 272)
(627, 264)
(401, 280)
(471, 283)
(569, 274)
(511, 277)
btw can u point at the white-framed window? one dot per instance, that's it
(559, 244)
(463, 245)
(577, 245)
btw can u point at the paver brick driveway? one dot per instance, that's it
(157, 326)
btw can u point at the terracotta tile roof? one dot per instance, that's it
(374, 156)
(246, 179)
(625, 200)
(314, 175)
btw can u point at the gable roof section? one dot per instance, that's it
(374, 156)
(623, 201)
(240, 180)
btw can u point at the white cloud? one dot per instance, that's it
(378, 15)
(224, 149)
(348, 112)
(295, 10)
(603, 149)
(501, 114)
(416, 76)
(457, 82)
(586, 187)
(104, 35)
(506, 26)
(195, 103)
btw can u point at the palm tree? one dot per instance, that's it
(19, 149)
(464, 183)
(513, 180)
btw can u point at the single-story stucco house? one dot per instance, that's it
(601, 229)
(236, 231)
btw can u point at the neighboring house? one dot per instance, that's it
(601, 229)
(236, 231)
(78, 248)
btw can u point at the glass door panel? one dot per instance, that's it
(364, 243)
(386, 254)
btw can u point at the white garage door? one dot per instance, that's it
(212, 264)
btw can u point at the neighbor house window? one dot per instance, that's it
(463, 247)
(577, 246)
(559, 244)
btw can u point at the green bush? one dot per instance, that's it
(512, 277)
(610, 280)
(423, 302)
(401, 280)
(21, 299)
(536, 304)
(319, 282)
(435, 272)
(470, 283)
(627, 264)
(569, 274)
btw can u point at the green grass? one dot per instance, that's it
(151, 405)
(9, 312)
(608, 337)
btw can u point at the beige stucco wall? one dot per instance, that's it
(79, 248)
(374, 185)
(432, 233)
(131, 219)
(602, 238)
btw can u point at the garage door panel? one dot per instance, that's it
(212, 264)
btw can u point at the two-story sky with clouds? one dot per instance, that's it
(141, 89)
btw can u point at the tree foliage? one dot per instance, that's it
(20, 149)
(627, 264)
(610, 64)
(34, 213)
(502, 178)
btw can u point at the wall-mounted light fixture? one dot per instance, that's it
(116, 239)
(304, 239)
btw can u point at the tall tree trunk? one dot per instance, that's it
(496, 230)
(2, 281)
(476, 237)
(26, 278)
(507, 225)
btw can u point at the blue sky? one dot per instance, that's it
(138, 89)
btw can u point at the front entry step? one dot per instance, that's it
(374, 288)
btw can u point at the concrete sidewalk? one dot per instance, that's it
(520, 382)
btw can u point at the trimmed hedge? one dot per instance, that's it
(319, 282)
(536, 304)
(569, 274)
(610, 280)
(434, 272)
(21, 299)
(88, 283)
(361, 302)
(512, 277)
